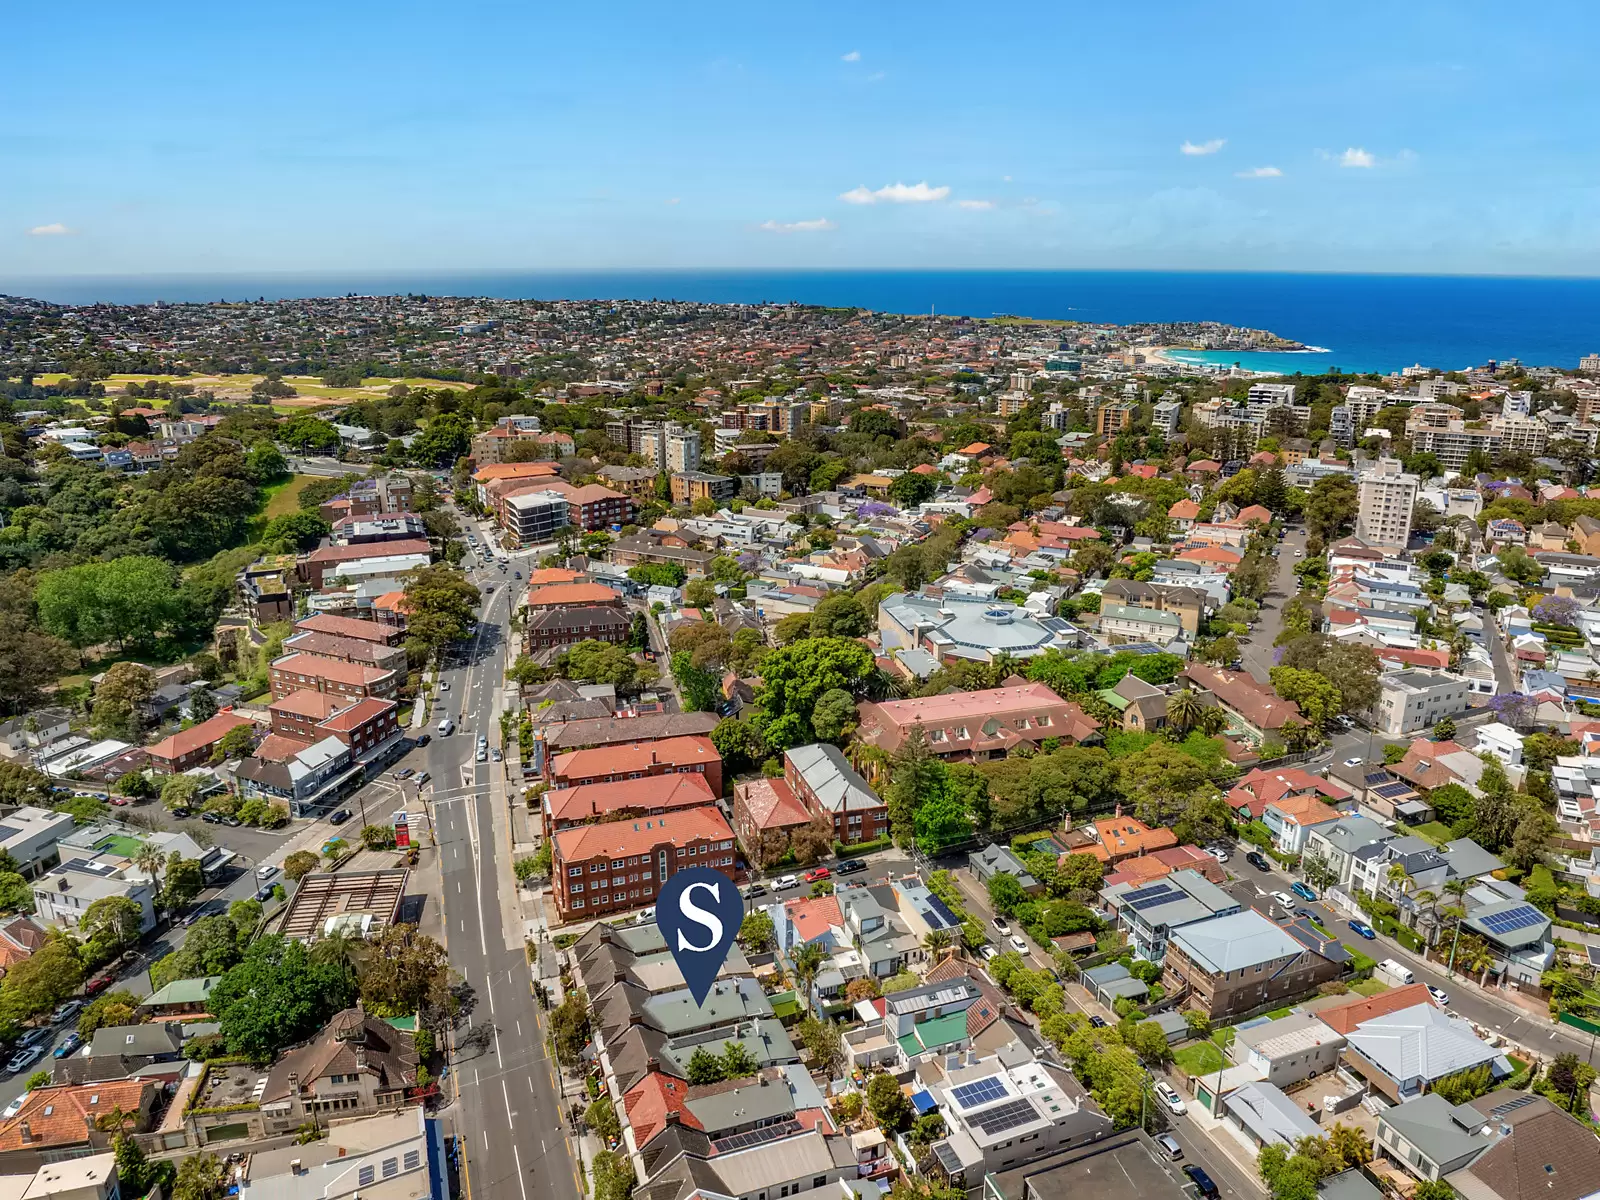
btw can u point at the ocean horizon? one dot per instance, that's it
(1359, 323)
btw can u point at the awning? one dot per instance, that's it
(924, 1102)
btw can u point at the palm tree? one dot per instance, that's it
(1350, 1145)
(1184, 709)
(340, 950)
(807, 962)
(936, 941)
(1213, 721)
(1399, 878)
(152, 862)
(1430, 901)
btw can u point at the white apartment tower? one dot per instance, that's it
(673, 447)
(1387, 495)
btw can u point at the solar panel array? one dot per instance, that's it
(1144, 893)
(756, 1137)
(1511, 1105)
(1390, 790)
(1152, 897)
(1524, 916)
(1005, 1116)
(948, 1159)
(980, 1091)
(943, 909)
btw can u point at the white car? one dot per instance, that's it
(1285, 899)
(266, 871)
(784, 882)
(1018, 943)
(1354, 762)
(1001, 925)
(989, 953)
(1439, 994)
(1170, 1098)
(14, 1107)
(647, 915)
(1218, 853)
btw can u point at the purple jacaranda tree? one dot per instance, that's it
(1515, 709)
(876, 508)
(1557, 610)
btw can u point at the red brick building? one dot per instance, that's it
(347, 649)
(294, 672)
(557, 627)
(381, 632)
(621, 865)
(308, 716)
(593, 507)
(194, 746)
(565, 808)
(571, 595)
(639, 760)
(822, 779)
(314, 565)
(765, 808)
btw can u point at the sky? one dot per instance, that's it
(201, 138)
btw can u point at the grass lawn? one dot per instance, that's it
(284, 497)
(1369, 987)
(1278, 1014)
(1434, 831)
(1199, 1058)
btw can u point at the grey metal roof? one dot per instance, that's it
(1234, 942)
(1420, 1042)
(828, 773)
(1443, 1131)
(1269, 1115)
(1468, 860)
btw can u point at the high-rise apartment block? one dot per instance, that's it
(1112, 419)
(673, 447)
(1165, 417)
(1387, 496)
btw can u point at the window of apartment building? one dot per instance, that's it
(618, 864)
(578, 903)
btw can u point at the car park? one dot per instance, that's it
(1439, 994)
(339, 816)
(1168, 1145)
(784, 882)
(1258, 860)
(65, 1012)
(818, 874)
(1303, 890)
(1202, 1182)
(1169, 1097)
(1018, 943)
(1362, 929)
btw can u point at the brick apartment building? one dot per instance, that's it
(194, 746)
(689, 486)
(639, 760)
(347, 649)
(637, 482)
(571, 595)
(352, 627)
(593, 507)
(307, 717)
(558, 627)
(979, 725)
(1235, 965)
(380, 494)
(630, 799)
(293, 672)
(620, 865)
(763, 810)
(314, 566)
(822, 779)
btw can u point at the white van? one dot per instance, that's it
(446, 727)
(1395, 973)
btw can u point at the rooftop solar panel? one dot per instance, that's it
(1167, 896)
(1005, 1116)
(1524, 916)
(756, 1137)
(979, 1091)
(943, 909)
(1146, 892)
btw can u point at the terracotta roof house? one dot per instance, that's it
(356, 1064)
(1252, 708)
(766, 810)
(1342, 1018)
(1158, 864)
(1117, 838)
(193, 746)
(979, 725)
(1184, 513)
(63, 1121)
(1428, 765)
(1290, 801)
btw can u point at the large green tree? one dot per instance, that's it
(277, 996)
(794, 677)
(439, 602)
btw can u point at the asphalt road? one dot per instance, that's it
(508, 1118)
(1256, 651)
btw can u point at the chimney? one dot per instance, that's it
(294, 1081)
(652, 1064)
(27, 1130)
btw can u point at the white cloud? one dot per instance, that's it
(818, 226)
(1210, 147)
(1260, 173)
(895, 193)
(976, 205)
(1006, 178)
(54, 229)
(853, 56)
(1357, 157)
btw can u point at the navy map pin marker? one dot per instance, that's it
(699, 912)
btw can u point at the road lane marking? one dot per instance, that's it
(521, 1182)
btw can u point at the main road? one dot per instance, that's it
(508, 1115)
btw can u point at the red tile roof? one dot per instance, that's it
(367, 631)
(207, 733)
(338, 554)
(663, 793)
(330, 668)
(813, 918)
(636, 756)
(61, 1116)
(1342, 1018)
(358, 714)
(771, 804)
(308, 702)
(572, 594)
(615, 839)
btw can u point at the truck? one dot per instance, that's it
(1394, 973)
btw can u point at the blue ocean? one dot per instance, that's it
(1359, 322)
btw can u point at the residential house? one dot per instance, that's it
(1290, 1049)
(1151, 913)
(1413, 700)
(1252, 708)
(1187, 603)
(1120, 624)
(995, 859)
(1012, 1109)
(1337, 845)
(196, 745)
(1116, 838)
(1539, 1153)
(1266, 1117)
(34, 731)
(29, 835)
(1403, 1054)
(65, 1121)
(357, 1064)
(1234, 965)
(1431, 1137)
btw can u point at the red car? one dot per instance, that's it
(819, 873)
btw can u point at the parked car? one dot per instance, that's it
(646, 915)
(339, 816)
(423, 777)
(1218, 853)
(231, 822)
(69, 1045)
(1169, 1146)
(1439, 994)
(1203, 1182)
(266, 871)
(1303, 890)
(1018, 943)
(119, 801)
(211, 818)
(1305, 912)
(989, 953)
(784, 882)
(14, 1107)
(65, 1012)
(816, 875)
(1283, 898)
(754, 891)
(405, 774)
(1169, 1097)
(495, 754)
(1258, 860)
(1002, 925)
(1363, 929)
(422, 739)
(482, 754)
(264, 894)
(1098, 1022)
(850, 866)
(98, 984)
(23, 1059)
